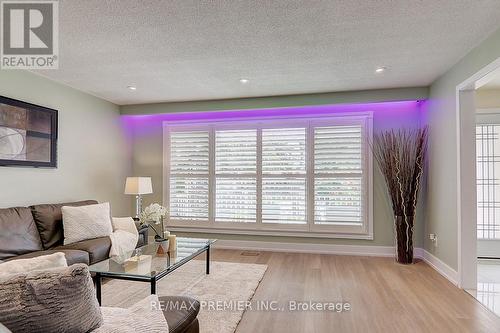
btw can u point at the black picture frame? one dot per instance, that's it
(52, 163)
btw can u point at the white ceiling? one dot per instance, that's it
(194, 50)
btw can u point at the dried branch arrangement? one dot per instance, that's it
(400, 155)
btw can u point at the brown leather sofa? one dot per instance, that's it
(181, 319)
(27, 232)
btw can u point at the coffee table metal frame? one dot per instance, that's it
(152, 280)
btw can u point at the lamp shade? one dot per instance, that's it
(138, 185)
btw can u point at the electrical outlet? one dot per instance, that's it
(434, 239)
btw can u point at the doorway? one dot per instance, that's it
(478, 199)
(487, 102)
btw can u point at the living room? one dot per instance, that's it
(248, 166)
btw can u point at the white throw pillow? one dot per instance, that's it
(124, 237)
(18, 266)
(86, 222)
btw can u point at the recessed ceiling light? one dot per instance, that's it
(244, 81)
(131, 88)
(380, 69)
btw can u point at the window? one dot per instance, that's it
(189, 156)
(338, 175)
(488, 185)
(284, 175)
(299, 176)
(236, 175)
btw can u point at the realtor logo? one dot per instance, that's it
(29, 34)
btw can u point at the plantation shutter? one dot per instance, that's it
(284, 175)
(236, 176)
(303, 176)
(338, 175)
(189, 185)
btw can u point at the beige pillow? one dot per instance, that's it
(54, 300)
(86, 222)
(17, 266)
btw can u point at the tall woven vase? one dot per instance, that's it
(403, 231)
(400, 155)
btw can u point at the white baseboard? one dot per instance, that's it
(418, 253)
(441, 267)
(378, 251)
(356, 250)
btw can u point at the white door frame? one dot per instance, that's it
(466, 174)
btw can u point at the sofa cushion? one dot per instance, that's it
(24, 265)
(54, 300)
(97, 248)
(72, 256)
(48, 219)
(180, 312)
(18, 232)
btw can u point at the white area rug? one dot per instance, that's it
(227, 282)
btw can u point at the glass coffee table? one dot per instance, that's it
(150, 263)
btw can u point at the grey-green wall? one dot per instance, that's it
(93, 155)
(147, 151)
(94, 159)
(488, 98)
(441, 215)
(343, 97)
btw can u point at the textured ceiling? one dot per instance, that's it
(193, 50)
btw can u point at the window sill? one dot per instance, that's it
(285, 233)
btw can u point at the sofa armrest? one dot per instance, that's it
(143, 234)
(181, 313)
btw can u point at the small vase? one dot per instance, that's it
(404, 239)
(163, 245)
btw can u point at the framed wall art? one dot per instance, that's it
(28, 134)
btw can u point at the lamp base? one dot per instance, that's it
(138, 206)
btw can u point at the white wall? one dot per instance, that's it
(442, 217)
(93, 155)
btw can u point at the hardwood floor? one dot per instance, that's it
(384, 296)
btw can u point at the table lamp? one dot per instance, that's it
(138, 186)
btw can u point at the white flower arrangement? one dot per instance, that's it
(154, 214)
